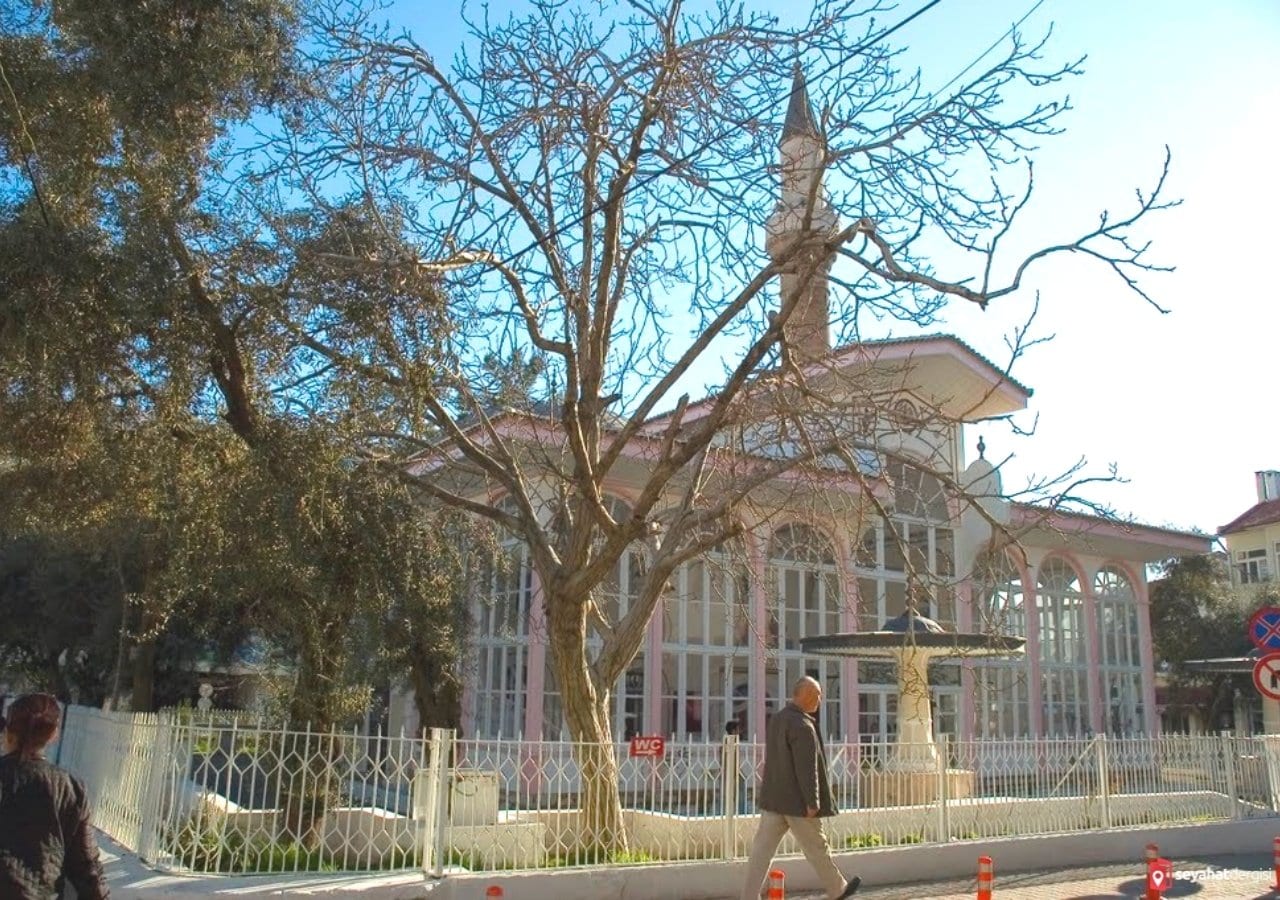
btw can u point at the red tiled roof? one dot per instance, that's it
(1265, 513)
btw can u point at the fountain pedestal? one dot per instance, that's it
(912, 772)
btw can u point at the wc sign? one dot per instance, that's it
(1159, 876)
(652, 747)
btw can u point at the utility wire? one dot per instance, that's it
(994, 44)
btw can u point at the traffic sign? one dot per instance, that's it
(1266, 676)
(1159, 876)
(1264, 628)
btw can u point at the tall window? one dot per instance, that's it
(1063, 658)
(1119, 656)
(707, 647)
(1001, 707)
(501, 622)
(804, 602)
(907, 560)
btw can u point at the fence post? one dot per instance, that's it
(1104, 780)
(1229, 765)
(153, 792)
(944, 760)
(729, 778)
(434, 806)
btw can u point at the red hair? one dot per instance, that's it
(32, 722)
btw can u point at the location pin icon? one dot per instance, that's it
(1157, 879)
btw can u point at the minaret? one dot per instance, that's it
(804, 273)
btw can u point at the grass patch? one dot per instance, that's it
(205, 848)
(861, 841)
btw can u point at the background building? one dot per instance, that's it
(1253, 538)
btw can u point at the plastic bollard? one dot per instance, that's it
(1275, 859)
(777, 885)
(986, 878)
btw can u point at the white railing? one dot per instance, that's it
(230, 797)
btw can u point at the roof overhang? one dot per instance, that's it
(1097, 535)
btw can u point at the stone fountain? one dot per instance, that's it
(912, 773)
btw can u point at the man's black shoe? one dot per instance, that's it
(851, 888)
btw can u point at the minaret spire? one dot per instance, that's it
(800, 224)
(799, 121)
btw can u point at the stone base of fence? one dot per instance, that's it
(888, 866)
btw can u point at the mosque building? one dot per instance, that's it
(726, 643)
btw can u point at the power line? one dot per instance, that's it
(994, 44)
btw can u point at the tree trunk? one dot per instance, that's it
(435, 693)
(602, 835)
(307, 774)
(144, 676)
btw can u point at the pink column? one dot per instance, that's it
(968, 682)
(653, 672)
(760, 632)
(1035, 696)
(850, 599)
(1150, 716)
(1093, 653)
(536, 660)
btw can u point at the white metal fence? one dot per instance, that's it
(230, 797)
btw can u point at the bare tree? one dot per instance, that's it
(595, 190)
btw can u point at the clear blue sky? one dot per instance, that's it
(1186, 404)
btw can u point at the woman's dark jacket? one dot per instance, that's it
(45, 838)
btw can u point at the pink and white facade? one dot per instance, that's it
(725, 644)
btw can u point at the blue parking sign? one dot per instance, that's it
(1264, 628)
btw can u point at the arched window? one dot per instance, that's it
(804, 602)
(908, 559)
(1119, 653)
(1001, 708)
(707, 646)
(1063, 656)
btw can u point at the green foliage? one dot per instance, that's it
(859, 841)
(1195, 614)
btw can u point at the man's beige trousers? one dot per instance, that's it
(812, 840)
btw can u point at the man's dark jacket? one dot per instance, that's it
(795, 766)
(45, 839)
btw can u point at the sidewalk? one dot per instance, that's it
(1244, 877)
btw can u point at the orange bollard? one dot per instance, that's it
(1275, 858)
(494, 891)
(986, 878)
(1153, 853)
(777, 885)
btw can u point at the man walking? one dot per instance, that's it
(795, 795)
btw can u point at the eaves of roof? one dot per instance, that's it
(1265, 513)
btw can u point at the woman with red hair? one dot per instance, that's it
(45, 838)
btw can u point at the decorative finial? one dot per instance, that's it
(982, 448)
